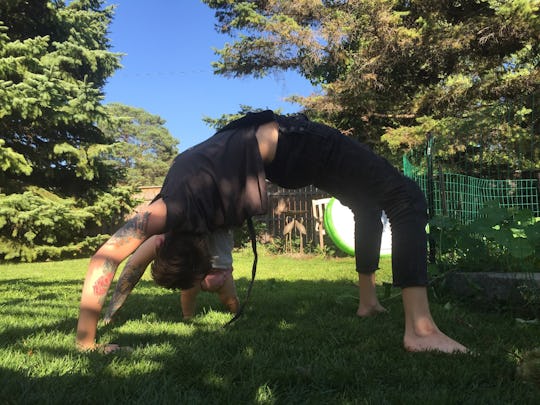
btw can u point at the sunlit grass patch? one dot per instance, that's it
(299, 341)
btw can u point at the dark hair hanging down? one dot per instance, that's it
(181, 260)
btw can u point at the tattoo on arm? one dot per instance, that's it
(101, 286)
(129, 277)
(135, 227)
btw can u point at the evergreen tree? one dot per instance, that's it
(57, 189)
(467, 71)
(54, 60)
(144, 148)
(224, 119)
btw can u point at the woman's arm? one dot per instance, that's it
(104, 263)
(132, 273)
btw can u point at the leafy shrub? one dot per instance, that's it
(500, 239)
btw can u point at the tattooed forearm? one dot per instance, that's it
(129, 277)
(101, 285)
(135, 227)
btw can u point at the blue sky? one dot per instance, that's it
(168, 47)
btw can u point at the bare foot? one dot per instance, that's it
(421, 332)
(369, 304)
(369, 310)
(433, 340)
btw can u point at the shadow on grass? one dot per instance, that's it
(298, 342)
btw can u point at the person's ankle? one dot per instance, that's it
(424, 327)
(369, 309)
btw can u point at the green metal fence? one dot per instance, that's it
(461, 196)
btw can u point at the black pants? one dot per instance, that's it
(312, 153)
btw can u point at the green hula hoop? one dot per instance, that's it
(339, 225)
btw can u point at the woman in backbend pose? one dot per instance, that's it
(221, 183)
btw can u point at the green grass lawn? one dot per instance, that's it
(298, 342)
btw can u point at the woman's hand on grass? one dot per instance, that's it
(103, 348)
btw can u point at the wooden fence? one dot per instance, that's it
(285, 207)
